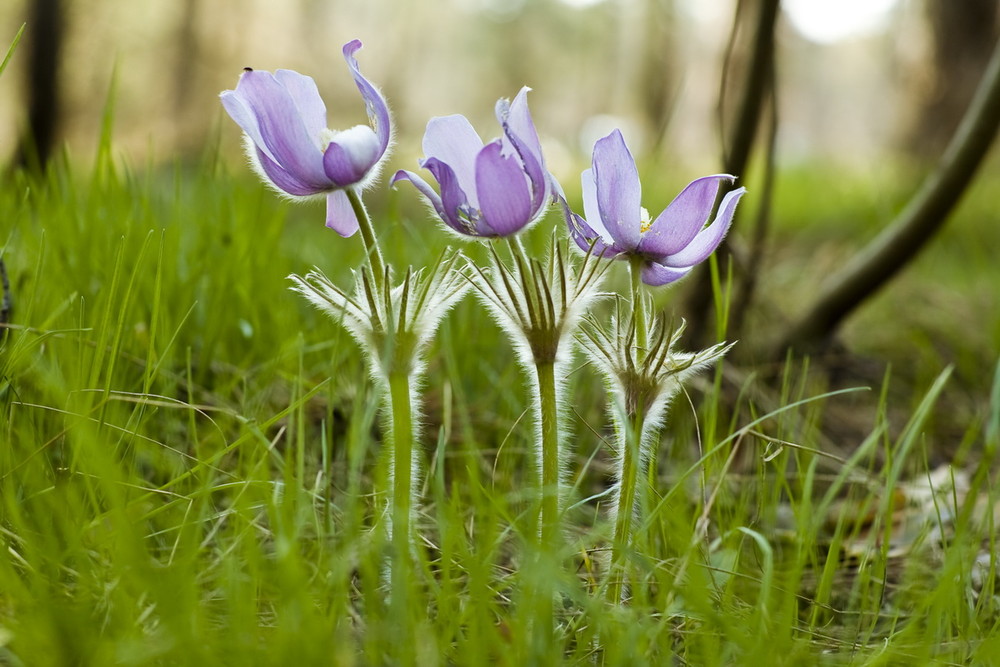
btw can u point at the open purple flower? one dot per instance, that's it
(618, 226)
(488, 190)
(291, 147)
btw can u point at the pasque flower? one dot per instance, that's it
(617, 226)
(291, 147)
(487, 190)
(642, 380)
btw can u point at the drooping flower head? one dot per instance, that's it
(292, 148)
(617, 226)
(487, 190)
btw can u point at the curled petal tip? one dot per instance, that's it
(397, 177)
(351, 47)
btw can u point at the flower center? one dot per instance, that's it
(354, 135)
(326, 137)
(644, 222)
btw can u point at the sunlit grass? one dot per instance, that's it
(190, 460)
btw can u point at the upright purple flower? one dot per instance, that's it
(291, 147)
(488, 190)
(619, 227)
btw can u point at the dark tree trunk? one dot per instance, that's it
(962, 38)
(739, 137)
(44, 41)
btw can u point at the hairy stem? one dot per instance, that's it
(539, 590)
(629, 462)
(639, 311)
(401, 503)
(548, 414)
(368, 237)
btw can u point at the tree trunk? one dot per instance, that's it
(962, 37)
(45, 38)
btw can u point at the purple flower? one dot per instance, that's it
(619, 227)
(291, 147)
(488, 190)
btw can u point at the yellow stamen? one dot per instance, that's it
(644, 222)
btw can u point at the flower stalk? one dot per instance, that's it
(638, 308)
(403, 497)
(372, 251)
(642, 383)
(393, 325)
(551, 464)
(540, 305)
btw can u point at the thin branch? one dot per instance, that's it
(739, 140)
(753, 261)
(924, 215)
(755, 90)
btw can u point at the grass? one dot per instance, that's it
(189, 465)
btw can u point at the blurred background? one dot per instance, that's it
(858, 80)
(868, 94)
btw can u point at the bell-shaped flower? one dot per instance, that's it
(291, 147)
(487, 190)
(617, 226)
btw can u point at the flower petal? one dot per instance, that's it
(282, 132)
(618, 189)
(584, 235)
(351, 155)
(375, 104)
(517, 116)
(590, 208)
(240, 112)
(656, 274)
(340, 216)
(423, 187)
(681, 221)
(503, 191)
(520, 137)
(457, 212)
(453, 141)
(707, 240)
(305, 94)
(270, 171)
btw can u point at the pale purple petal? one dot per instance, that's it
(584, 235)
(304, 93)
(340, 216)
(454, 200)
(503, 191)
(423, 187)
(519, 137)
(281, 178)
(240, 112)
(518, 117)
(375, 104)
(540, 187)
(657, 274)
(351, 155)
(707, 240)
(453, 140)
(590, 208)
(674, 228)
(282, 131)
(618, 189)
